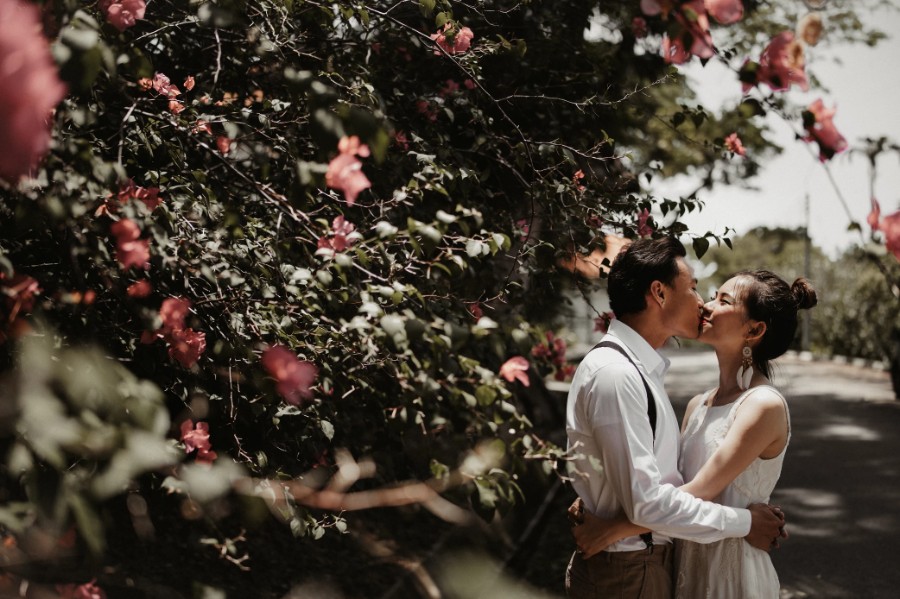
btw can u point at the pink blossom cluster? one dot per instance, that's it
(645, 224)
(149, 196)
(734, 144)
(87, 590)
(692, 36)
(342, 235)
(19, 292)
(162, 85)
(131, 250)
(29, 89)
(196, 438)
(345, 170)
(453, 39)
(889, 226)
(819, 125)
(781, 64)
(185, 344)
(293, 377)
(516, 369)
(123, 14)
(553, 351)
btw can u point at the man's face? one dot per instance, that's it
(683, 306)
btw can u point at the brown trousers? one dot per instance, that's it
(622, 575)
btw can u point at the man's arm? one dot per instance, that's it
(622, 433)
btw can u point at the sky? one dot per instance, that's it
(864, 85)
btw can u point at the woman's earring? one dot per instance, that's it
(745, 372)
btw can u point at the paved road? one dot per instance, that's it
(841, 480)
(840, 486)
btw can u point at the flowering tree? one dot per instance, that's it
(265, 239)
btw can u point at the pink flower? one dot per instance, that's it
(424, 107)
(735, 145)
(875, 215)
(139, 289)
(29, 89)
(639, 27)
(176, 107)
(345, 170)
(189, 83)
(201, 125)
(450, 88)
(818, 123)
(401, 140)
(515, 369)
(164, 87)
(525, 227)
(645, 226)
(690, 33)
(343, 235)
(123, 14)
(197, 439)
(185, 346)
(223, 144)
(293, 377)
(726, 11)
(475, 310)
(469, 84)
(148, 195)
(651, 8)
(88, 590)
(576, 179)
(130, 249)
(453, 40)
(890, 227)
(173, 312)
(781, 64)
(20, 292)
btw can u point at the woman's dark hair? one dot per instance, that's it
(769, 299)
(636, 267)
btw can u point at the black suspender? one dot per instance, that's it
(647, 537)
(651, 405)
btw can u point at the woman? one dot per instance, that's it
(734, 436)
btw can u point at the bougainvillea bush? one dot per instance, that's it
(310, 251)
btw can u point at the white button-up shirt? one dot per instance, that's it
(621, 466)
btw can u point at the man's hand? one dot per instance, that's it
(766, 526)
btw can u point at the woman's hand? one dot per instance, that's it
(593, 534)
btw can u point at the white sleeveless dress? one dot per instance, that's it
(731, 568)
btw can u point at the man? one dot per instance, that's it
(629, 445)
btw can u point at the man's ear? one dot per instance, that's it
(658, 293)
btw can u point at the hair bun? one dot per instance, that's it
(804, 294)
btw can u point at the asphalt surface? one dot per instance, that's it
(840, 486)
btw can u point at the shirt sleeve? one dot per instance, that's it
(622, 433)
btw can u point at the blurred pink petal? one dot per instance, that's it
(29, 89)
(293, 377)
(515, 369)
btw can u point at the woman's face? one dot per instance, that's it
(725, 323)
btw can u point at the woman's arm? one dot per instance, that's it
(760, 429)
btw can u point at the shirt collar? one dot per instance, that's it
(651, 359)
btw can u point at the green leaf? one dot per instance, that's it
(701, 245)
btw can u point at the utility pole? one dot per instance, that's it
(807, 250)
